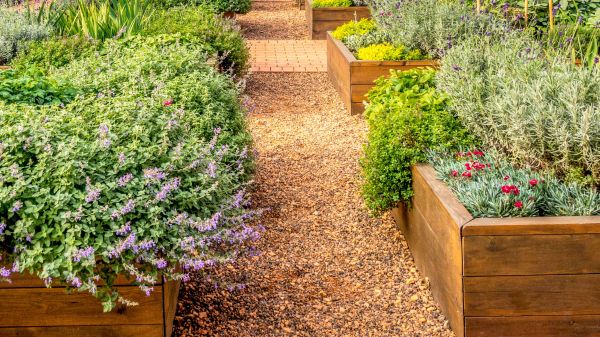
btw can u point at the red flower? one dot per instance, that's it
(518, 204)
(478, 166)
(478, 153)
(168, 102)
(506, 178)
(506, 189)
(468, 166)
(454, 173)
(533, 182)
(467, 174)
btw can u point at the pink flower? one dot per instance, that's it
(454, 173)
(467, 174)
(533, 182)
(518, 204)
(468, 166)
(168, 102)
(506, 178)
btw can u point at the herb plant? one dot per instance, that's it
(33, 87)
(387, 52)
(15, 30)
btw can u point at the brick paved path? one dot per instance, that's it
(288, 55)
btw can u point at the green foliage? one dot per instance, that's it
(356, 42)
(387, 52)
(432, 26)
(362, 27)
(142, 174)
(201, 25)
(98, 19)
(331, 3)
(15, 30)
(538, 108)
(34, 88)
(489, 187)
(54, 53)
(219, 6)
(407, 116)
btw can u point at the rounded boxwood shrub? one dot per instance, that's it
(142, 174)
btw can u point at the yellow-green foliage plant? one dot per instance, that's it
(362, 27)
(331, 3)
(387, 52)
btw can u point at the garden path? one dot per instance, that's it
(327, 268)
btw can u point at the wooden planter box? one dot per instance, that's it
(507, 277)
(354, 78)
(30, 309)
(322, 20)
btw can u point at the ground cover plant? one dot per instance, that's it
(219, 6)
(337, 3)
(124, 156)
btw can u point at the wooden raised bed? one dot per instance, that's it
(535, 277)
(354, 78)
(322, 20)
(30, 309)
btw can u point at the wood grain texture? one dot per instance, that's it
(534, 326)
(86, 331)
(27, 280)
(171, 294)
(532, 295)
(53, 307)
(531, 254)
(338, 69)
(532, 226)
(432, 229)
(322, 20)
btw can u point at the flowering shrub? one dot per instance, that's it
(142, 174)
(488, 186)
(432, 26)
(200, 25)
(362, 27)
(541, 111)
(406, 117)
(15, 30)
(387, 52)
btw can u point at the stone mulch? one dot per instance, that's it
(327, 267)
(274, 20)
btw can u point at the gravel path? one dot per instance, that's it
(327, 268)
(274, 21)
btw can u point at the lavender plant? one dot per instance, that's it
(490, 186)
(144, 175)
(15, 30)
(540, 109)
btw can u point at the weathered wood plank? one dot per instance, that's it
(27, 280)
(432, 230)
(171, 294)
(533, 326)
(531, 254)
(532, 295)
(338, 68)
(85, 331)
(536, 225)
(359, 92)
(54, 307)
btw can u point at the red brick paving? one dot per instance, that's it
(288, 55)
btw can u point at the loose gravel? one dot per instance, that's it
(274, 21)
(327, 267)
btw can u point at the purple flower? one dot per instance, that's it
(76, 282)
(596, 60)
(2, 228)
(128, 208)
(17, 206)
(161, 264)
(456, 68)
(154, 174)
(167, 188)
(122, 158)
(5, 273)
(126, 228)
(146, 245)
(122, 246)
(83, 254)
(125, 179)
(239, 199)
(92, 195)
(212, 169)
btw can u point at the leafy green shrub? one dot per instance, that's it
(387, 52)
(541, 111)
(432, 26)
(15, 30)
(407, 116)
(202, 26)
(34, 88)
(53, 53)
(362, 27)
(331, 3)
(356, 42)
(489, 186)
(142, 175)
(219, 6)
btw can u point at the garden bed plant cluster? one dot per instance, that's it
(489, 159)
(125, 154)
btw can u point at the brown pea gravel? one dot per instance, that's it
(327, 267)
(274, 21)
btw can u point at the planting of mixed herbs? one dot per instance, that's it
(338, 3)
(531, 104)
(124, 151)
